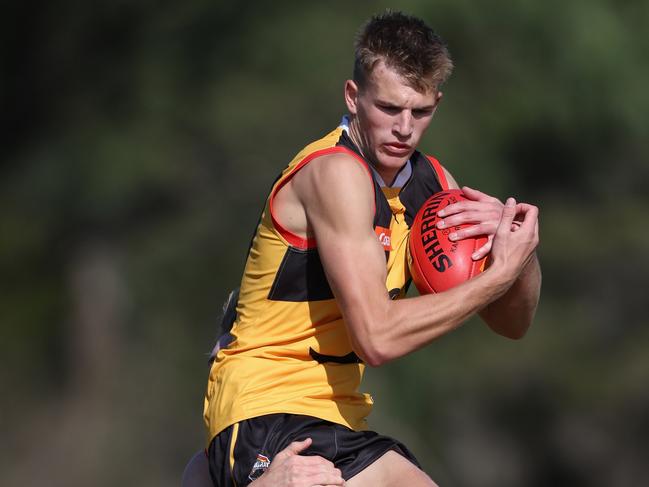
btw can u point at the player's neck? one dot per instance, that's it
(388, 174)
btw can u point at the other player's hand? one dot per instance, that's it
(290, 469)
(481, 211)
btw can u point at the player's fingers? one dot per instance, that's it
(471, 216)
(472, 231)
(524, 207)
(509, 212)
(313, 469)
(296, 447)
(457, 219)
(484, 250)
(312, 463)
(453, 208)
(308, 464)
(530, 216)
(469, 211)
(474, 194)
(467, 206)
(333, 477)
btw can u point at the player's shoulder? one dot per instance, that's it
(451, 182)
(337, 168)
(334, 179)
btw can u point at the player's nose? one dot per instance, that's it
(403, 125)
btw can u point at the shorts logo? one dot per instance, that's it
(261, 465)
(385, 237)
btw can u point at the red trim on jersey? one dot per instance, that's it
(293, 239)
(439, 170)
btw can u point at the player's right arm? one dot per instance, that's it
(338, 199)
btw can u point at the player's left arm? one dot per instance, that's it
(512, 314)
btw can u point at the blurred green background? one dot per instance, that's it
(139, 139)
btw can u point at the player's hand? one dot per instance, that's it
(481, 210)
(290, 469)
(517, 237)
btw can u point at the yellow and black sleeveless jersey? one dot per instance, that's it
(290, 352)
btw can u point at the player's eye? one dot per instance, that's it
(421, 112)
(389, 109)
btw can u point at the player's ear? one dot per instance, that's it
(438, 98)
(351, 96)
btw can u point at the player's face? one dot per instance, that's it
(388, 118)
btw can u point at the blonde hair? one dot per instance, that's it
(405, 44)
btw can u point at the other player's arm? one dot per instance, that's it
(290, 469)
(338, 198)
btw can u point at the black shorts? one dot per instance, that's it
(242, 452)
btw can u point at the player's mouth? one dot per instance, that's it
(397, 149)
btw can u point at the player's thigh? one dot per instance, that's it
(197, 472)
(391, 470)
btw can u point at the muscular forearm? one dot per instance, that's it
(511, 315)
(404, 326)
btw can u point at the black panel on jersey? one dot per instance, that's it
(350, 358)
(300, 278)
(422, 185)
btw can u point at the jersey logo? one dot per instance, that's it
(385, 237)
(261, 465)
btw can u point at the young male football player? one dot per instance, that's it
(316, 303)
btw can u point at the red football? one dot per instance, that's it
(437, 263)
